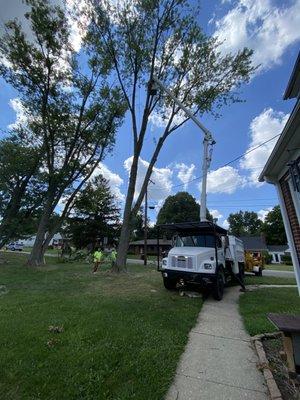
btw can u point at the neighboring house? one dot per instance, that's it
(57, 240)
(137, 247)
(254, 244)
(283, 170)
(277, 252)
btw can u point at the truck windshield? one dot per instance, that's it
(195, 241)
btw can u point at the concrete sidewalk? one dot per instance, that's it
(219, 362)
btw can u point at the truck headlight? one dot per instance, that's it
(164, 262)
(207, 266)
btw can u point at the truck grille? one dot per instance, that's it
(182, 262)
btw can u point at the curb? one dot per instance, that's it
(264, 365)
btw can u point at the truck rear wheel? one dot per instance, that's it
(218, 288)
(169, 284)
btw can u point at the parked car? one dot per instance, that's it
(15, 246)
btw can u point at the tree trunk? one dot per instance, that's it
(38, 251)
(125, 231)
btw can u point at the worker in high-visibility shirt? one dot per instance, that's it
(113, 257)
(98, 256)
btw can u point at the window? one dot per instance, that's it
(195, 241)
(294, 167)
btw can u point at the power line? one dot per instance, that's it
(229, 162)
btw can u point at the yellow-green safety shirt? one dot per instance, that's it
(98, 255)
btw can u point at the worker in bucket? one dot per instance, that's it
(113, 257)
(98, 257)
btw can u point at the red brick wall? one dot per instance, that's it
(291, 211)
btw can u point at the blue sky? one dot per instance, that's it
(271, 28)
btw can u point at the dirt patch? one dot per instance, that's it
(272, 347)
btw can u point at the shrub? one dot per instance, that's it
(286, 259)
(267, 257)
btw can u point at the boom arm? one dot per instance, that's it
(208, 139)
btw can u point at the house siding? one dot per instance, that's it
(291, 212)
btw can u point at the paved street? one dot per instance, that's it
(281, 274)
(219, 362)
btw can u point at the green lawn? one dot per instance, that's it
(122, 334)
(254, 307)
(279, 267)
(268, 280)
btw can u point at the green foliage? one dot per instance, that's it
(95, 215)
(72, 108)
(21, 189)
(137, 225)
(182, 207)
(122, 335)
(287, 259)
(245, 223)
(273, 227)
(268, 257)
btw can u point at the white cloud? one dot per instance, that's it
(263, 127)
(224, 180)
(21, 116)
(78, 20)
(185, 173)
(225, 224)
(160, 120)
(263, 213)
(216, 214)
(262, 26)
(162, 178)
(115, 181)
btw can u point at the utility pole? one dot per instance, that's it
(145, 223)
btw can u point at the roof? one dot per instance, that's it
(152, 242)
(194, 227)
(280, 248)
(293, 87)
(288, 143)
(255, 243)
(285, 149)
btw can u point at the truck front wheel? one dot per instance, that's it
(218, 288)
(169, 284)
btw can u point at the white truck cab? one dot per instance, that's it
(203, 254)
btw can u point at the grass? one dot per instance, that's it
(279, 267)
(122, 334)
(254, 307)
(268, 280)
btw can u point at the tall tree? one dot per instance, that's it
(245, 223)
(74, 110)
(95, 215)
(145, 38)
(273, 227)
(182, 207)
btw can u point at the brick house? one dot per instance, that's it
(283, 170)
(137, 247)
